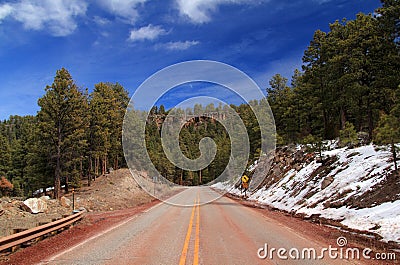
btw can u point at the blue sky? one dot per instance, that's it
(126, 41)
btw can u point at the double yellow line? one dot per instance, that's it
(196, 208)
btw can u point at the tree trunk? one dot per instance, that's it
(67, 183)
(200, 180)
(104, 165)
(57, 175)
(116, 163)
(80, 169)
(96, 166)
(326, 126)
(90, 170)
(342, 118)
(90, 157)
(370, 124)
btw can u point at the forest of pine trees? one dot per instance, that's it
(75, 136)
(349, 83)
(350, 76)
(194, 129)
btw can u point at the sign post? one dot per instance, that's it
(73, 199)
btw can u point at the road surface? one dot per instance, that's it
(220, 232)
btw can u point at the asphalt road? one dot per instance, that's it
(220, 232)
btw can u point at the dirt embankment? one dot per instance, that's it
(114, 191)
(292, 159)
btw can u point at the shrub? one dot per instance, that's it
(5, 186)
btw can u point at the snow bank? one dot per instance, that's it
(354, 173)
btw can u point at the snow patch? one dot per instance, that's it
(354, 172)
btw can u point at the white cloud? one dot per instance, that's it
(126, 9)
(180, 45)
(57, 16)
(101, 21)
(199, 11)
(149, 32)
(5, 10)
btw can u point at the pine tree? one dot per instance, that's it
(282, 101)
(60, 125)
(122, 101)
(348, 136)
(108, 104)
(390, 19)
(388, 133)
(313, 88)
(20, 151)
(39, 172)
(161, 110)
(5, 155)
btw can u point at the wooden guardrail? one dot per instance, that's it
(33, 233)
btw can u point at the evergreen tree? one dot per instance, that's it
(348, 136)
(282, 101)
(108, 104)
(390, 19)
(161, 110)
(60, 124)
(122, 101)
(20, 151)
(313, 88)
(388, 133)
(39, 172)
(5, 156)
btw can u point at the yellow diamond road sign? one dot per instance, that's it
(245, 179)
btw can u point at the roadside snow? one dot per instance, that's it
(355, 172)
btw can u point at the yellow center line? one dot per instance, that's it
(187, 239)
(197, 241)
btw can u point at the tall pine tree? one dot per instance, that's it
(61, 126)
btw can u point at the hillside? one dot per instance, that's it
(356, 188)
(115, 191)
